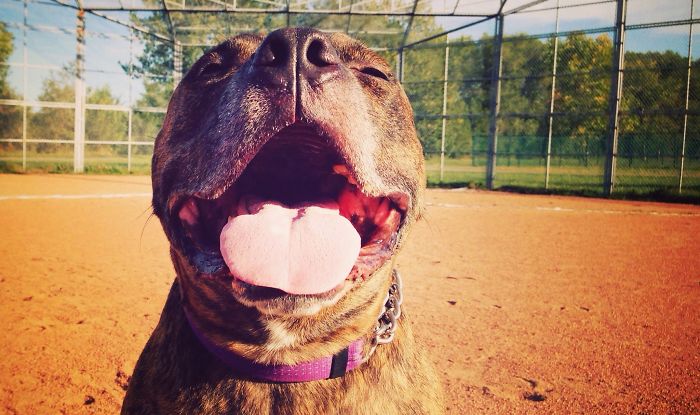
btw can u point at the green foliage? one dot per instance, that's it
(653, 96)
(6, 48)
(105, 125)
(53, 123)
(8, 115)
(59, 123)
(654, 88)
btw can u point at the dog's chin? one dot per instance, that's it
(271, 301)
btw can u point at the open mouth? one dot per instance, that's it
(296, 221)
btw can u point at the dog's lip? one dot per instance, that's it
(256, 294)
(401, 199)
(376, 211)
(207, 258)
(375, 251)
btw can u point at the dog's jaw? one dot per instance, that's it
(231, 117)
(297, 181)
(255, 332)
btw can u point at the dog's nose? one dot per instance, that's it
(304, 52)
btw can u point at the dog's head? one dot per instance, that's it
(286, 175)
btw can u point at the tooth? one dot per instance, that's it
(242, 208)
(254, 204)
(393, 220)
(343, 171)
(249, 202)
(382, 212)
(340, 169)
(371, 205)
(248, 205)
(189, 212)
(349, 204)
(387, 226)
(233, 208)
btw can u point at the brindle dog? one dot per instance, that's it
(284, 121)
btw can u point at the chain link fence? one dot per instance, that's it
(61, 114)
(553, 107)
(522, 99)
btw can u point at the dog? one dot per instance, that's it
(286, 176)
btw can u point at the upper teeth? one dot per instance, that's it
(248, 204)
(342, 170)
(189, 212)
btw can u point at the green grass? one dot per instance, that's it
(63, 163)
(642, 179)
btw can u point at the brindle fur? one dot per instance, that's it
(217, 119)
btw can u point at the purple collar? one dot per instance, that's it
(323, 368)
(327, 367)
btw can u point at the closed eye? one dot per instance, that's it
(213, 67)
(374, 72)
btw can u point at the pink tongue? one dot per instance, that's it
(308, 249)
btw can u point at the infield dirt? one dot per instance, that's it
(527, 304)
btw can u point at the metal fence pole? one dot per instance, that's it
(177, 63)
(399, 62)
(401, 65)
(288, 17)
(687, 98)
(131, 100)
(129, 147)
(79, 125)
(495, 99)
(444, 109)
(615, 98)
(25, 62)
(550, 118)
(347, 24)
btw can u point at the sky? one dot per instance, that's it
(595, 16)
(107, 43)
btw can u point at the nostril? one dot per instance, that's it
(275, 53)
(319, 54)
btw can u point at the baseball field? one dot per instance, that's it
(527, 304)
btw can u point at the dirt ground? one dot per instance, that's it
(527, 304)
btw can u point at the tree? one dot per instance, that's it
(6, 47)
(101, 125)
(53, 123)
(583, 91)
(10, 116)
(654, 85)
(58, 123)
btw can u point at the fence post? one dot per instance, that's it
(444, 108)
(130, 114)
(25, 62)
(495, 100)
(177, 63)
(79, 124)
(615, 98)
(550, 118)
(687, 97)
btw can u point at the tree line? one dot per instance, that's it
(652, 107)
(651, 121)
